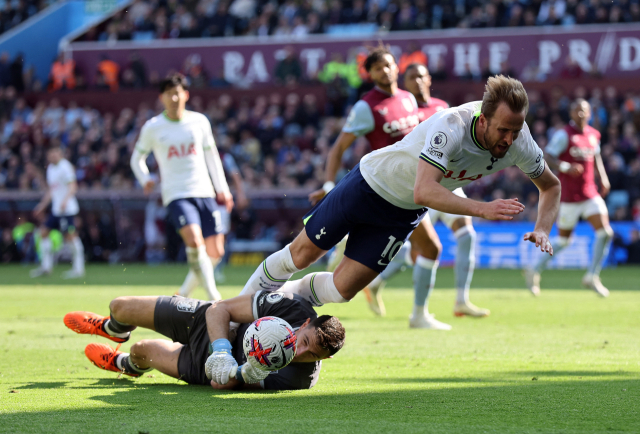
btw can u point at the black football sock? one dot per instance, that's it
(113, 327)
(124, 362)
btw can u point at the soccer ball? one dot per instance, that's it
(269, 343)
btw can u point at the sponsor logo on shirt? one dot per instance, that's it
(274, 297)
(434, 152)
(401, 124)
(181, 151)
(439, 140)
(582, 153)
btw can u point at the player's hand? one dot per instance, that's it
(149, 186)
(576, 170)
(541, 240)
(316, 196)
(501, 209)
(604, 190)
(251, 374)
(219, 367)
(37, 211)
(225, 198)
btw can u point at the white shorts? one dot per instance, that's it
(447, 219)
(571, 212)
(225, 218)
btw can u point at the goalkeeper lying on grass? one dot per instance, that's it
(199, 331)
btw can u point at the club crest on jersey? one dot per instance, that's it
(181, 151)
(383, 111)
(274, 297)
(408, 105)
(439, 140)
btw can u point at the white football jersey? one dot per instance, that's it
(59, 176)
(447, 141)
(178, 148)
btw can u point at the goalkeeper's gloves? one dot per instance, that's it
(220, 365)
(248, 373)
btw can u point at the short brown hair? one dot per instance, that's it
(329, 333)
(501, 89)
(174, 80)
(376, 54)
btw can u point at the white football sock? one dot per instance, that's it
(46, 250)
(201, 265)
(77, 249)
(424, 277)
(191, 282)
(465, 261)
(317, 288)
(272, 273)
(600, 250)
(558, 244)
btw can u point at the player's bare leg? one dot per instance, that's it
(464, 266)
(425, 251)
(46, 251)
(532, 275)
(604, 235)
(198, 259)
(215, 250)
(127, 313)
(159, 354)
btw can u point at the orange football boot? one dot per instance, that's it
(89, 323)
(104, 357)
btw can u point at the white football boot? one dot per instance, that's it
(470, 309)
(592, 281)
(72, 274)
(532, 279)
(39, 272)
(427, 321)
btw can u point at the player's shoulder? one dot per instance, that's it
(154, 122)
(589, 130)
(438, 103)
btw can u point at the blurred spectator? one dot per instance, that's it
(288, 69)
(5, 69)
(62, 75)
(107, 73)
(413, 54)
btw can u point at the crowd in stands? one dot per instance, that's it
(14, 12)
(167, 19)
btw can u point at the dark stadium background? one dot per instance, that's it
(276, 80)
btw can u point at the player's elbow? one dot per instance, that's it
(421, 194)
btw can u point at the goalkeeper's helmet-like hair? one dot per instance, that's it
(329, 333)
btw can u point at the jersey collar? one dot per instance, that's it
(164, 113)
(476, 116)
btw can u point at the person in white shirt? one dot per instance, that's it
(383, 199)
(183, 145)
(61, 194)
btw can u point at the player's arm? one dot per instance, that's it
(359, 122)
(548, 205)
(44, 202)
(138, 160)
(557, 145)
(602, 173)
(221, 367)
(72, 189)
(216, 172)
(334, 158)
(428, 192)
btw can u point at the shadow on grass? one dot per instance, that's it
(573, 406)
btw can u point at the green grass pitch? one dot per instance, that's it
(566, 362)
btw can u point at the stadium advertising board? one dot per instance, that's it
(613, 51)
(500, 245)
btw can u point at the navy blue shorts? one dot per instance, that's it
(377, 229)
(196, 210)
(62, 223)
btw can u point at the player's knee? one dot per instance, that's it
(117, 306)
(606, 232)
(430, 249)
(140, 350)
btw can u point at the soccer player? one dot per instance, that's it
(574, 151)
(386, 196)
(200, 334)
(233, 171)
(418, 81)
(183, 145)
(61, 194)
